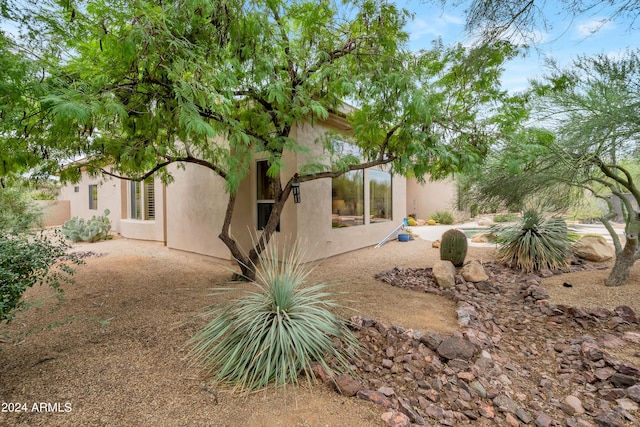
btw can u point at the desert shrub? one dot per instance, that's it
(443, 217)
(26, 258)
(509, 217)
(95, 229)
(271, 335)
(534, 243)
(411, 222)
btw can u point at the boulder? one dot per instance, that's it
(474, 272)
(481, 238)
(421, 222)
(444, 273)
(593, 248)
(436, 244)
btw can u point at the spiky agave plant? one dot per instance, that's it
(534, 243)
(272, 334)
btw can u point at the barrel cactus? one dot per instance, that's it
(453, 247)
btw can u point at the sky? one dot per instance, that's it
(567, 38)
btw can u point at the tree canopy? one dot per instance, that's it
(136, 86)
(585, 136)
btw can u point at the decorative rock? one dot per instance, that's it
(474, 272)
(622, 380)
(634, 393)
(347, 385)
(523, 416)
(375, 397)
(435, 244)
(608, 419)
(593, 248)
(627, 313)
(320, 373)
(421, 222)
(604, 373)
(479, 388)
(575, 404)
(537, 292)
(631, 337)
(444, 274)
(396, 419)
(511, 420)
(543, 420)
(414, 417)
(481, 238)
(505, 404)
(456, 348)
(387, 391)
(627, 404)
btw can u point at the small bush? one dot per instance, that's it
(510, 217)
(534, 243)
(26, 259)
(443, 217)
(412, 222)
(272, 335)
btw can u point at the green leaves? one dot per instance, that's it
(272, 335)
(535, 243)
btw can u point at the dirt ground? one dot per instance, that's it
(113, 353)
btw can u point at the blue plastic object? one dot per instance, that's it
(403, 237)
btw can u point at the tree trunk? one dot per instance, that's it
(624, 261)
(248, 262)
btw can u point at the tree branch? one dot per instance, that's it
(332, 174)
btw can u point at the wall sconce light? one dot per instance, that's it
(295, 187)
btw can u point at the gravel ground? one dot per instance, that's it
(113, 353)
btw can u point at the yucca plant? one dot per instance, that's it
(271, 335)
(534, 243)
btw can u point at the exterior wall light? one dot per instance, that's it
(295, 187)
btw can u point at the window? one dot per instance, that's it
(142, 199)
(265, 195)
(347, 199)
(379, 195)
(76, 189)
(93, 196)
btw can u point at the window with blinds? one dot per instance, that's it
(142, 199)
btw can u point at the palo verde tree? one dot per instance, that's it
(588, 140)
(142, 85)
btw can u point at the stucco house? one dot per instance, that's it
(335, 215)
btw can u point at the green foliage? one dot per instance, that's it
(534, 243)
(453, 247)
(141, 85)
(443, 217)
(95, 229)
(17, 214)
(508, 217)
(271, 335)
(26, 259)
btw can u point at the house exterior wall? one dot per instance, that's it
(109, 197)
(314, 219)
(195, 209)
(113, 195)
(425, 199)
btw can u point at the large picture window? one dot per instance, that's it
(142, 200)
(265, 194)
(347, 201)
(380, 201)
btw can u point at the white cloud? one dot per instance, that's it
(434, 27)
(592, 26)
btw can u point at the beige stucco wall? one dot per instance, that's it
(195, 206)
(314, 213)
(55, 212)
(113, 195)
(425, 199)
(109, 197)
